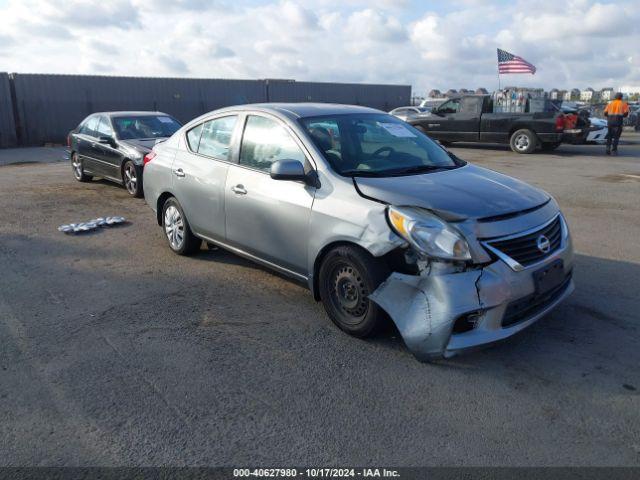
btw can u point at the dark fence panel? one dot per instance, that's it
(7, 124)
(383, 97)
(51, 105)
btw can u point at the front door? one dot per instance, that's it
(265, 217)
(107, 153)
(458, 120)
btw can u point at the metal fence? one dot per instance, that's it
(47, 107)
(7, 125)
(383, 97)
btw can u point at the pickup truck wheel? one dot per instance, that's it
(347, 276)
(547, 147)
(523, 141)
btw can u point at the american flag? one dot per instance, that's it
(510, 63)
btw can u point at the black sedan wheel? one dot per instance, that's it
(132, 178)
(78, 169)
(347, 277)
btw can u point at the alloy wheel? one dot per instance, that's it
(76, 164)
(130, 178)
(522, 142)
(174, 227)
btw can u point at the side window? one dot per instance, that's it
(469, 105)
(104, 128)
(452, 106)
(216, 137)
(193, 137)
(266, 141)
(90, 126)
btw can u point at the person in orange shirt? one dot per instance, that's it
(615, 111)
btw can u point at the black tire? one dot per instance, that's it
(548, 147)
(132, 178)
(346, 278)
(176, 229)
(78, 168)
(523, 141)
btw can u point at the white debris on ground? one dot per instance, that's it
(91, 224)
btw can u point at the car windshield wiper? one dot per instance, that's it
(361, 173)
(418, 169)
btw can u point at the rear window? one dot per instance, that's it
(145, 126)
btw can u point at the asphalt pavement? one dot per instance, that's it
(114, 351)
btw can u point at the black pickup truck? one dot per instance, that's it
(471, 118)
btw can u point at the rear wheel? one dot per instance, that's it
(176, 228)
(132, 178)
(347, 277)
(78, 169)
(523, 141)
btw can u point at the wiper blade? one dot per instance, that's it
(361, 173)
(418, 169)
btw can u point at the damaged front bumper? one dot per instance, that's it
(494, 300)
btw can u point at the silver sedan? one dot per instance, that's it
(377, 219)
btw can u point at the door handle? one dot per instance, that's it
(179, 172)
(239, 190)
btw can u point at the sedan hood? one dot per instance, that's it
(465, 192)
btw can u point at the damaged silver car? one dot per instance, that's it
(375, 217)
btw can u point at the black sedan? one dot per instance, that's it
(112, 145)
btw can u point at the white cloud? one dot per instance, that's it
(381, 41)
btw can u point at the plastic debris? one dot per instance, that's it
(91, 224)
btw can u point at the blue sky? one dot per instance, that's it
(577, 43)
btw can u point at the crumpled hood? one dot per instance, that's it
(465, 192)
(143, 145)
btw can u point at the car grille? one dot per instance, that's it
(524, 250)
(528, 306)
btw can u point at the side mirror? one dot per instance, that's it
(107, 140)
(289, 170)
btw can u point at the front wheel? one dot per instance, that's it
(176, 228)
(523, 141)
(132, 178)
(78, 169)
(347, 277)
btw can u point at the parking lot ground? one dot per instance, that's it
(114, 351)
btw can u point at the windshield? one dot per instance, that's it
(375, 144)
(145, 126)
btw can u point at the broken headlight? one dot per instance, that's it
(429, 234)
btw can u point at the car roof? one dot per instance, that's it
(301, 110)
(125, 113)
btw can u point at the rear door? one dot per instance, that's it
(200, 173)
(265, 217)
(87, 137)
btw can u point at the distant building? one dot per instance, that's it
(451, 92)
(629, 90)
(435, 93)
(464, 91)
(606, 94)
(554, 94)
(562, 94)
(481, 91)
(588, 94)
(573, 94)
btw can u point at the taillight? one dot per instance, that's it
(560, 123)
(148, 157)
